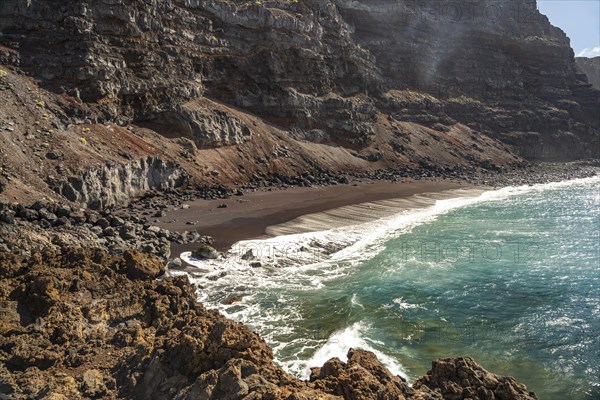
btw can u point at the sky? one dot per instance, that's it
(580, 19)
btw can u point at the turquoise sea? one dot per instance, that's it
(510, 277)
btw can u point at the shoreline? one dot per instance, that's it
(79, 255)
(250, 216)
(274, 211)
(249, 288)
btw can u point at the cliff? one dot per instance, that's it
(391, 82)
(591, 68)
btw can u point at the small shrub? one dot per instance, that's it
(83, 140)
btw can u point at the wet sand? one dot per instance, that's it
(249, 216)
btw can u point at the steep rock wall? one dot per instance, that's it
(311, 64)
(203, 123)
(115, 185)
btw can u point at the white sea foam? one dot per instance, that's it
(404, 305)
(338, 344)
(354, 301)
(305, 253)
(308, 248)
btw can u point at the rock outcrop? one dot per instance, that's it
(81, 324)
(591, 68)
(463, 378)
(115, 185)
(202, 123)
(362, 377)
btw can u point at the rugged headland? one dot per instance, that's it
(108, 108)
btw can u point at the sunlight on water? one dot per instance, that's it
(510, 277)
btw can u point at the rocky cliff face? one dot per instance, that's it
(113, 185)
(590, 67)
(306, 65)
(45, 154)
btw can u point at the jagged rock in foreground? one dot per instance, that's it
(84, 324)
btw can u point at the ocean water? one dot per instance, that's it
(510, 277)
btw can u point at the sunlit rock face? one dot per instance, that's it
(590, 67)
(328, 65)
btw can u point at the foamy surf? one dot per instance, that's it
(351, 233)
(270, 274)
(337, 345)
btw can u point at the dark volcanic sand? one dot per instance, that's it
(250, 215)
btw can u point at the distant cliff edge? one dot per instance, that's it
(591, 67)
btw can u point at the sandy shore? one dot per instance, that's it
(249, 216)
